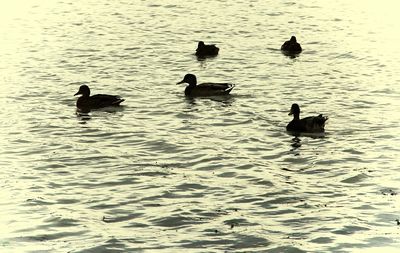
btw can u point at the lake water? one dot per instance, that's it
(165, 173)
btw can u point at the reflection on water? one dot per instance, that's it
(296, 143)
(164, 169)
(202, 59)
(83, 116)
(290, 54)
(224, 101)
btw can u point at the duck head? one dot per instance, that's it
(295, 110)
(189, 79)
(84, 90)
(293, 39)
(201, 44)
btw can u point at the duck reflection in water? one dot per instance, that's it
(296, 143)
(85, 114)
(224, 101)
(83, 117)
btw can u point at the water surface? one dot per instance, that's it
(165, 173)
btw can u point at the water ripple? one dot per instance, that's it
(167, 173)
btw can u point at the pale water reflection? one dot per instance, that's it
(165, 173)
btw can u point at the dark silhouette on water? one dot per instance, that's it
(204, 50)
(87, 102)
(205, 89)
(296, 143)
(313, 124)
(291, 46)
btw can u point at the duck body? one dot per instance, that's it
(96, 101)
(291, 46)
(205, 89)
(204, 50)
(313, 124)
(209, 89)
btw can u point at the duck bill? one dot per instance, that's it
(77, 93)
(291, 112)
(180, 82)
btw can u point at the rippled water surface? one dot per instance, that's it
(165, 173)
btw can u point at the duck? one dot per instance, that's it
(96, 101)
(291, 46)
(313, 124)
(205, 89)
(204, 50)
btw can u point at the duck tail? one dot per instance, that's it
(118, 101)
(230, 87)
(320, 119)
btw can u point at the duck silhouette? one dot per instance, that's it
(205, 89)
(291, 46)
(96, 101)
(313, 124)
(204, 50)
